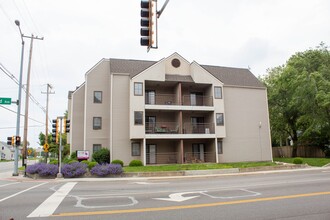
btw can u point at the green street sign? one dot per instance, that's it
(5, 101)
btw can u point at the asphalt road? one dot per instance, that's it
(285, 195)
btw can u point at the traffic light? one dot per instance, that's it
(55, 131)
(146, 23)
(18, 140)
(66, 123)
(11, 140)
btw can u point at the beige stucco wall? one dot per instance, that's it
(245, 110)
(97, 79)
(121, 144)
(76, 115)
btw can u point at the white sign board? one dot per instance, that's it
(82, 154)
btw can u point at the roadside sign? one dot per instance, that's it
(5, 101)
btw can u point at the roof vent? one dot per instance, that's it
(176, 63)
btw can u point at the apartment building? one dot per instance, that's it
(170, 111)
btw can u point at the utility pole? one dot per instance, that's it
(49, 87)
(26, 116)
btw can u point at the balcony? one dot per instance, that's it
(162, 128)
(174, 157)
(198, 128)
(172, 99)
(174, 128)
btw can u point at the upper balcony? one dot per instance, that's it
(174, 128)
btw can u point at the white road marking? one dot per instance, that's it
(108, 199)
(178, 197)
(11, 196)
(49, 206)
(8, 184)
(150, 183)
(249, 194)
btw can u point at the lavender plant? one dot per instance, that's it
(106, 169)
(42, 169)
(74, 169)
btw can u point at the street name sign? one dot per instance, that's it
(5, 101)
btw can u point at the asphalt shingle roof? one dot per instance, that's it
(230, 76)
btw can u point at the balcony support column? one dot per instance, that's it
(181, 151)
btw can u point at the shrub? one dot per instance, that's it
(73, 155)
(53, 162)
(102, 156)
(92, 164)
(106, 169)
(74, 169)
(42, 169)
(118, 162)
(136, 163)
(298, 160)
(69, 160)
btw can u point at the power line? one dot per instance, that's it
(14, 79)
(31, 126)
(21, 114)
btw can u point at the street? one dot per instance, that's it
(303, 194)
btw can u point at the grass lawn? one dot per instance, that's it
(180, 167)
(317, 162)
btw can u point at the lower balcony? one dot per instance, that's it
(174, 158)
(174, 128)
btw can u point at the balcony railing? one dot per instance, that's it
(197, 157)
(198, 128)
(162, 128)
(162, 158)
(174, 128)
(197, 100)
(171, 99)
(161, 99)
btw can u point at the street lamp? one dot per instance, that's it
(15, 173)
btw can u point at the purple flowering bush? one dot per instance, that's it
(43, 169)
(106, 169)
(74, 169)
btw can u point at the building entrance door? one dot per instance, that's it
(151, 152)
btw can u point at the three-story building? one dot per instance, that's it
(171, 111)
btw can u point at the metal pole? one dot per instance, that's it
(19, 103)
(60, 175)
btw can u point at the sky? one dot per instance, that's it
(255, 34)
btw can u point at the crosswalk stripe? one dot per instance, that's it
(49, 206)
(11, 196)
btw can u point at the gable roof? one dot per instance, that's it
(230, 76)
(234, 76)
(133, 67)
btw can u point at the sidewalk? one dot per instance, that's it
(173, 175)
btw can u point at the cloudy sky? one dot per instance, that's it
(255, 34)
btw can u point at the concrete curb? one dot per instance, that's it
(174, 174)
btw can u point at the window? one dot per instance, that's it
(220, 150)
(97, 97)
(136, 149)
(218, 92)
(220, 120)
(96, 147)
(97, 123)
(138, 118)
(138, 88)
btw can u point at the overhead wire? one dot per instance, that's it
(21, 114)
(14, 79)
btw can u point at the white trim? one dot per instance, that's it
(111, 117)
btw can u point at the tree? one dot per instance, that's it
(299, 98)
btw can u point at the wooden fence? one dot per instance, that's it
(302, 151)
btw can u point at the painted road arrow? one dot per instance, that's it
(178, 197)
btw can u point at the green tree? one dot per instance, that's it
(299, 98)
